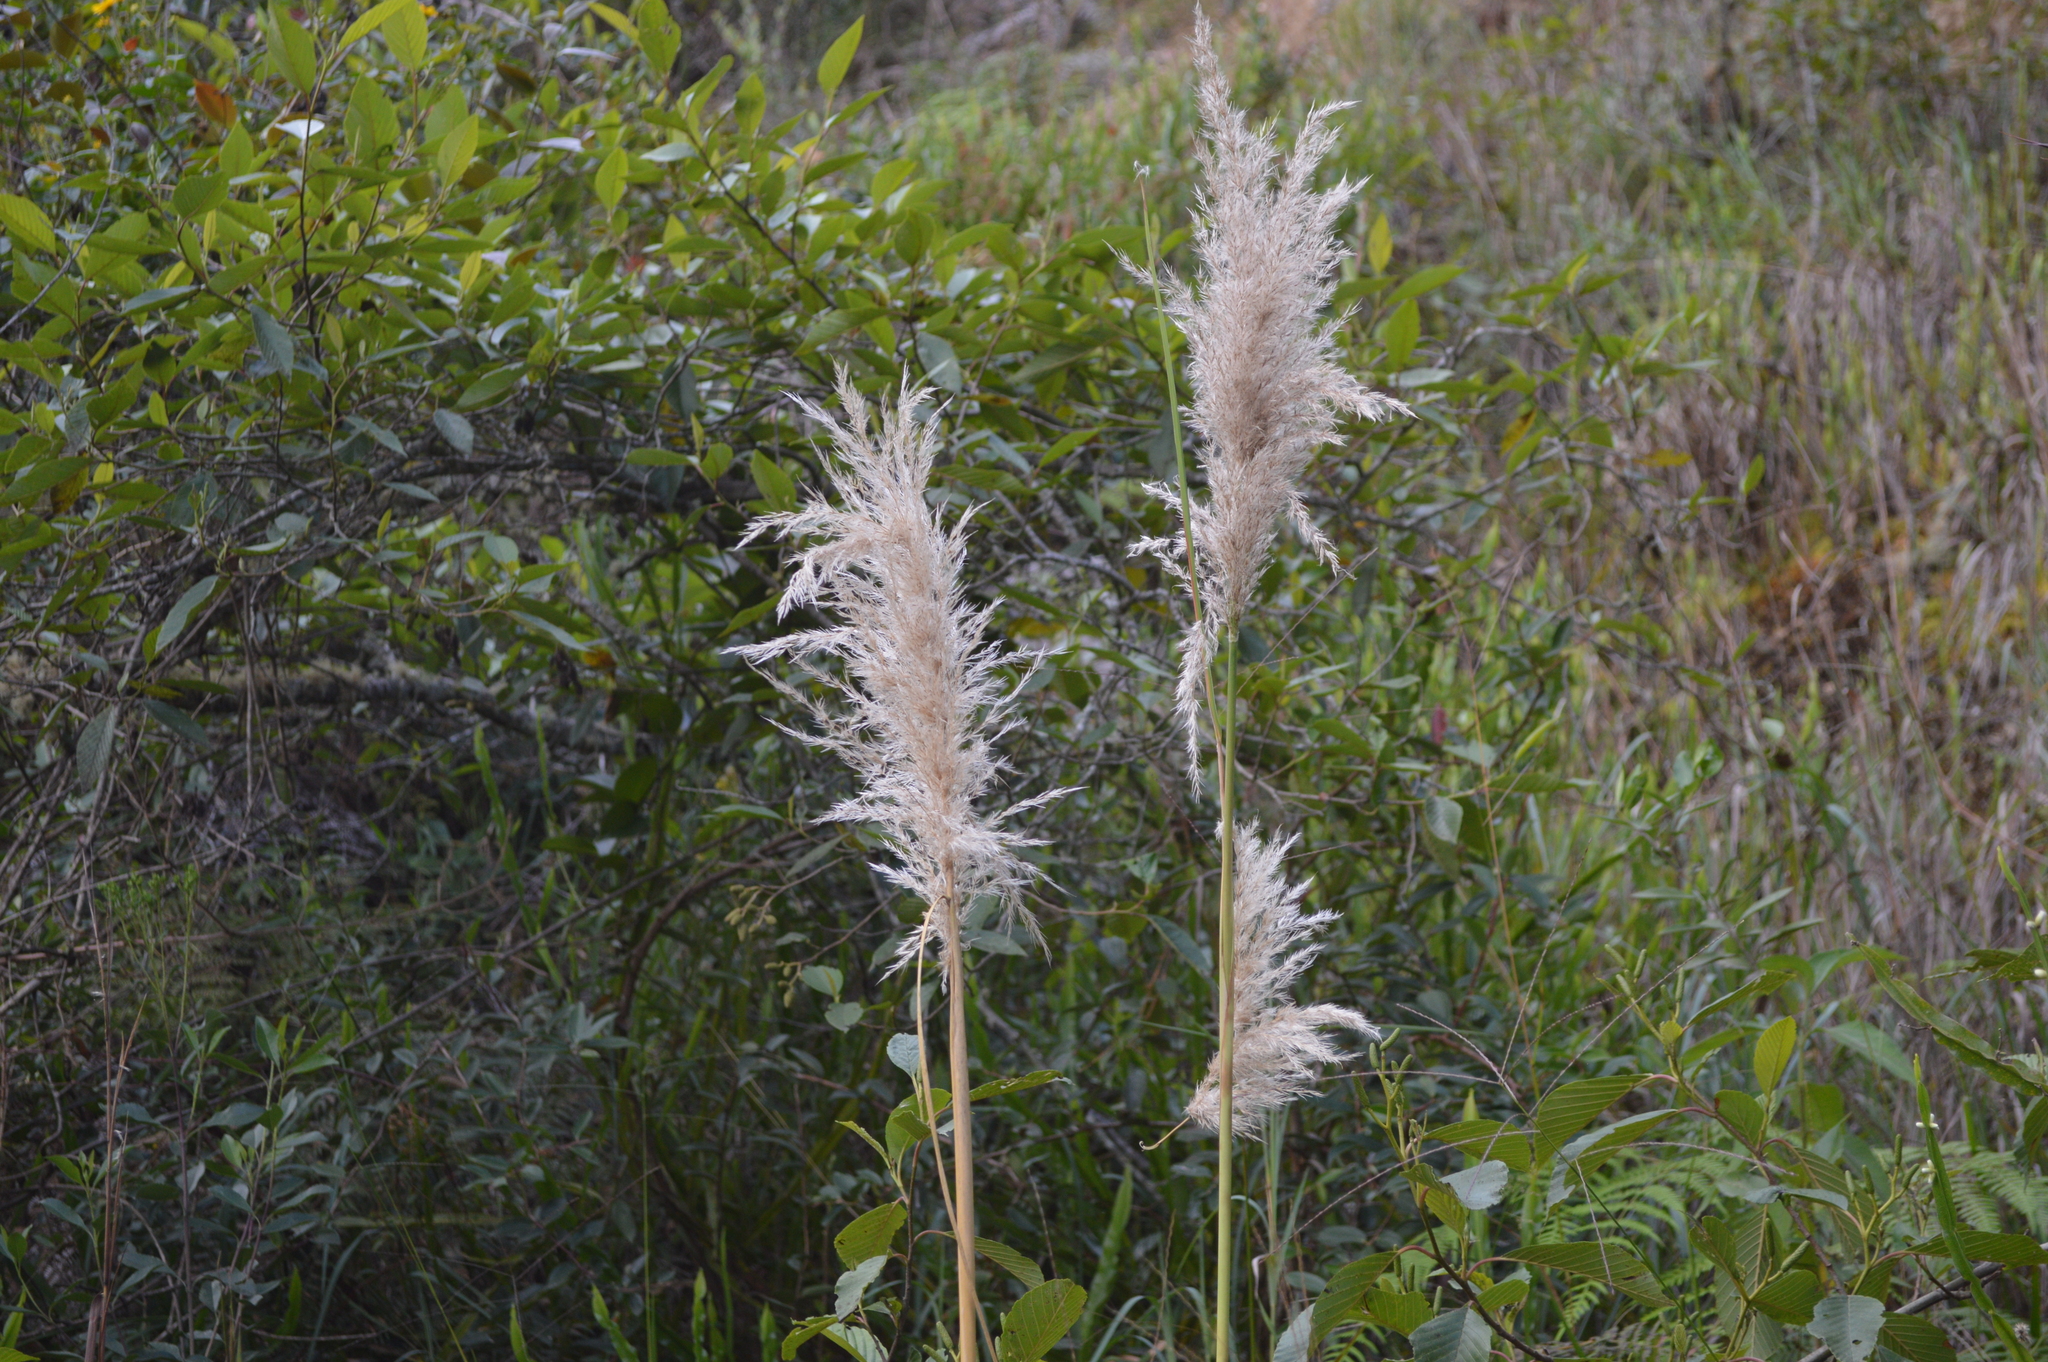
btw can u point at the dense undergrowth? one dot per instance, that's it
(418, 940)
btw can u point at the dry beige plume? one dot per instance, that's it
(914, 704)
(1280, 1046)
(1265, 386)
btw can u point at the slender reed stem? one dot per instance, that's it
(1226, 976)
(963, 1128)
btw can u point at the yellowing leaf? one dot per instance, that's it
(1666, 458)
(1379, 245)
(617, 21)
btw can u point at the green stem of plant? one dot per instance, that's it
(1226, 979)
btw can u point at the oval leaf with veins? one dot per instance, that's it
(1479, 1186)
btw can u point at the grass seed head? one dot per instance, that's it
(915, 701)
(1280, 1046)
(1266, 390)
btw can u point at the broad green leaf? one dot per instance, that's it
(1774, 1051)
(196, 595)
(1460, 1336)
(1443, 817)
(371, 122)
(844, 1016)
(1741, 1111)
(1039, 1319)
(458, 149)
(366, 23)
(802, 1331)
(291, 48)
(1399, 333)
(857, 1341)
(516, 1334)
(1568, 1109)
(41, 478)
(869, 1234)
(1003, 1087)
(660, 36)
(1586, 1149)
(1848, 1325)
(1501, 1295)
(1010, 1261)
(1789, 1297)
(198, 195)
(853, 1284)
(2014, 1250)
(902, 1050)
(1402, 1311)
(27, 224)
(405, 33)
(456, 430)
(490, 386)
(180, 723)
(941, 365)
(1488, 1140)
(1479, 1186)
(1766, 982)
(1916, 1339)
(1958, 1039)
(610, 182)
(904, 1128)
(95, 748)
(1344, 1291)
(1422, 281)
(774, 485)
(1293, 1344)
(749, 104)
(273, 341)
(1613, 1262)
(838, 57)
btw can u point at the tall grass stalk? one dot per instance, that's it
(913, 705)
(1265, 394)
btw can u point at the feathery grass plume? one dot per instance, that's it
(922, 703)
(1279, 1044)
(1265, 392)
(919, 708)
(1265, 389)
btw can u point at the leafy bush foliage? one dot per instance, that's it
(418, 937)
